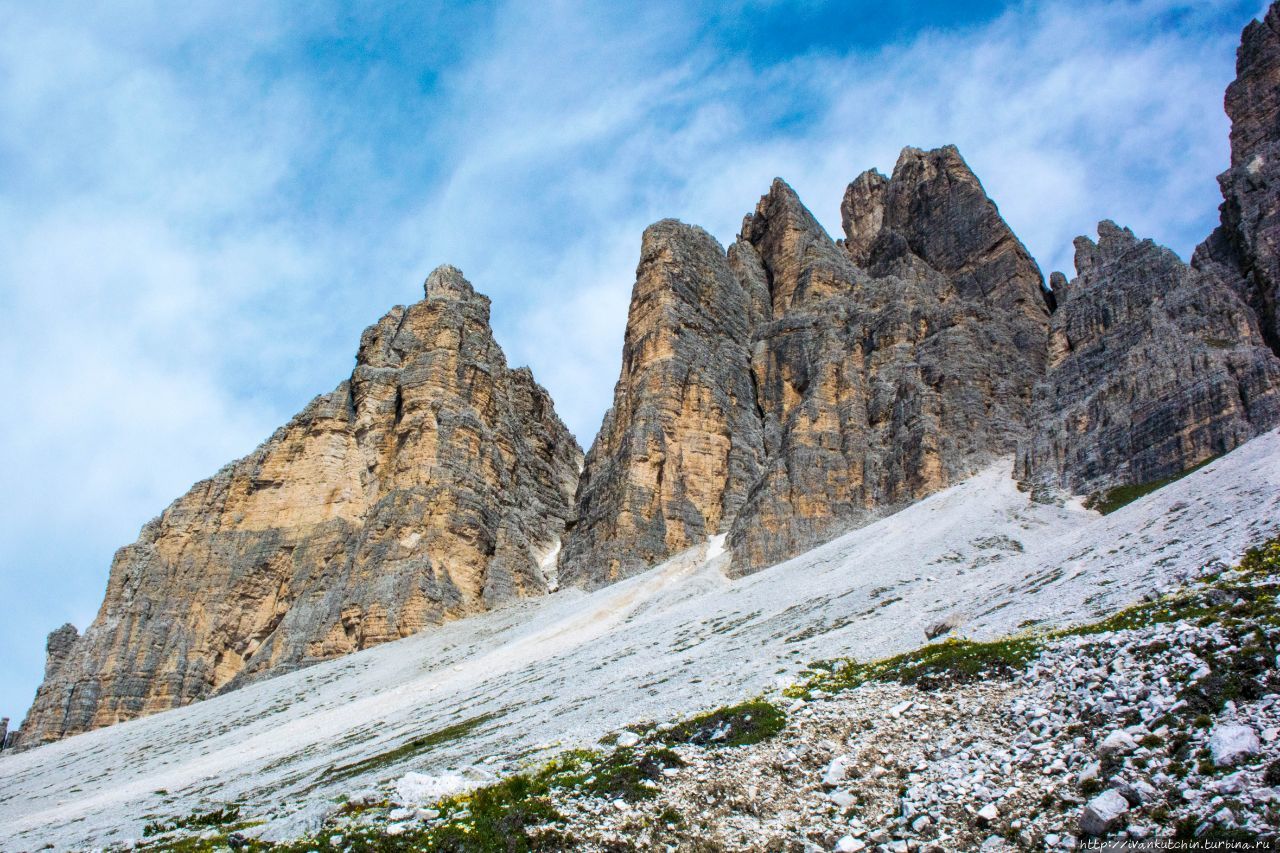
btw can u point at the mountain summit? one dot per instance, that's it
(431, 485)
(772, 396)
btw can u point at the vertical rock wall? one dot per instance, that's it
(427, 487)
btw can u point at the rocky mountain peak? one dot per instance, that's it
(1154, 367)
(1253, 98)
(935, 207)
(681, 443)
(58, 646)
(447, 282)
(1113, 241)
(1244, 251)
(802, 263)
(776, 394)
(427, 487)
(862, 214)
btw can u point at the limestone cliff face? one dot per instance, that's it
(1244, 251)
(919, 349)
(429, 486)
(1153, 368)
(841, 382)
(777, 393)
(681, 443)
(893, 366)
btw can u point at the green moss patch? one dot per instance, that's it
(937, 665)
(737, 725)
(1112, 499)
(196, 820)
(410, 749)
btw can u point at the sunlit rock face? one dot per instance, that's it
(682, 441)
(427, 487)
(896, 363)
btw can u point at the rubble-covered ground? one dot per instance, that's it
(1160, 722)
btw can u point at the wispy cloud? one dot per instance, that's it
(200, 207)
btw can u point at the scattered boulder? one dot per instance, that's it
(837, 771)
(1232, 744)
(1117, 743)
(943, 626)
(1103, 813)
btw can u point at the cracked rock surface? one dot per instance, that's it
(427, 487)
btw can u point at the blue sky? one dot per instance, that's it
(202, 207)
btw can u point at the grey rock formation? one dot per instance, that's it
(890, 369)
(1244, 251)
(682, 442)
(792, 388)
(427, 487)
(1153, 368)
(58, 647)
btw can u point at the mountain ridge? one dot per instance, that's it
(776, 393)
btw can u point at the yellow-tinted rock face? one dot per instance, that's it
(682, 441)
(422, 490)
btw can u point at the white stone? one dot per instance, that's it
(837, 771)
(1090, 771)
(849, 844)
(989, 812)
(1117, 743)
(628, 739)
(414, 787)
(841, 798)
(1232, 744)
(1103, 813)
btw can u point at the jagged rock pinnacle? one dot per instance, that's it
(427, 487)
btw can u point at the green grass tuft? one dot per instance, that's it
(939, 664)
(405, 751)
(737, 725)
(1112, 499)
